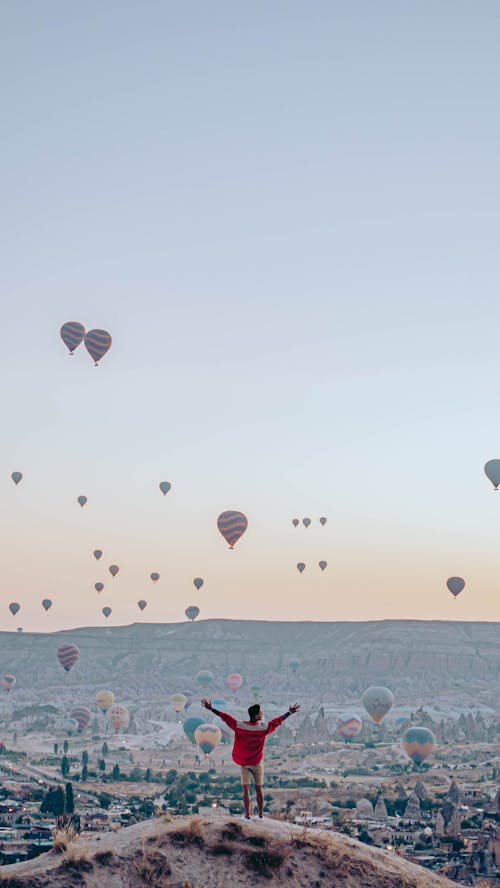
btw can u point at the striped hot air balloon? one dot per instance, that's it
(82, 715)
(207, 737)
(301, 566)
(70, 725)
(99, 587)
(97, 554)
(67, 655)
(81, 500)
(46, 604)
(323, 564)
(192, 612)
(164, 486)
(72, 334)
(295, 522)
(235, 681)
(455, 585)
(8, 682)
(198, 582)
(232, 526)
(189, 727)
(205, 678)
(106, 611)
(14, 608)
(113, 569)
(97, 343)
(142, 604)
(17, 477)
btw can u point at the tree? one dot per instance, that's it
(85, 757)
(56, 748)
(85, 772)
(105, 749)
(65, 766)
(102, 765)
(65, 746)
(116, 772)
(147, 775)
(104, 800)
(53, 802)
(70, 801)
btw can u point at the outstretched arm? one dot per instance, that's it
(291, 710)
(228, 719)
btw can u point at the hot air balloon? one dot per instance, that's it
(72, 334)
(97, 343)
(164, 486)
(323, 564)
(294, 665)
(113, 569)
(70, 725)
(67, 655)
(82, 715)
(219, 703)
(8, 682)
(189, 698)
(323, 520)
(46, 604)
(178, 702)
(189, 727)
(142, 604)
(418, 743)
(118, 717)
(295, 522)
(235, 681)
(192, 612)
(97, 554)
(197, 582)
(19, 629)
(81, 500)
(256, 690)
(306, 522)
(99, 587)
(301, 566)
(14, 608)
(155, 577)
(377, 702)
(106, 611)
(349, 726)
(455, 585)
(232, 526)
(492, 469)
(104, 700)
(205, 678)
(17, 477)
(207, 737)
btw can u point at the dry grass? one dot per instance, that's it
(265, 861)
(151, 866)
(192, 834)
(63, 839)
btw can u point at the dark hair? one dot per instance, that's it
(253, 711)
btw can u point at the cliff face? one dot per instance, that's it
(336, 656)
(218, 852)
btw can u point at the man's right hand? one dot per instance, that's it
(207, 704)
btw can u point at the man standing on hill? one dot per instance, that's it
(248, 750)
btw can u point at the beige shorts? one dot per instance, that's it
(249, 771)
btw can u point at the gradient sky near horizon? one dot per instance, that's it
(287, 216)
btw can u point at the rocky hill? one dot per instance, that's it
(334, 657)
(217, 852)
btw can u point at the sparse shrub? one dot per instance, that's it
(232, 831)
(104, 858)
(222, 849)
(192, 834)
(257, 841)
(76, 864)
(265, 862)
(151, 867)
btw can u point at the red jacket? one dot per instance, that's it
(250, 737)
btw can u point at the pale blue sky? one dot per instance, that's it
(287, 216)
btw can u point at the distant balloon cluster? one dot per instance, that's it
(97, 342)
(307, 521)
